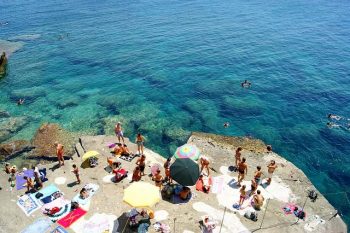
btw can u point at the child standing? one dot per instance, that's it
(242, 195)
(76, 172)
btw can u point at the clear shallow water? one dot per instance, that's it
(168, 68)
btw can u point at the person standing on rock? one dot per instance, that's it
(76, 173)
(270, 170)
(238, 156)
(119, 132)
(242, 171)
(141, 163)
(59, 153)
(139, 141)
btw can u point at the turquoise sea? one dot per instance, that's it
(170, 67)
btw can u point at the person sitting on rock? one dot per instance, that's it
(125, 150)
(204, 162)
(136, 175)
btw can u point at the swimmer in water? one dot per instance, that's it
(332, 125)
(246, 83)
(20, 102)
(335, 117)
(226, 124)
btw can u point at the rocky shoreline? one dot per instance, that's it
(289, 184)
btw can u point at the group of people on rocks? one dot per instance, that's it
(242, 167)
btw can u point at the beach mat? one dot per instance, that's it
(91, 189)
(62, 204)
(97, 223)
(42, 225)
(218, 184)
(20, 180)
(48, 194)
(59, 229)
(28, 204)
(128, 158)
(71, 217)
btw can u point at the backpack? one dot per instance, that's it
(312, 195)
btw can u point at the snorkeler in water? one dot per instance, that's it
(226, 124)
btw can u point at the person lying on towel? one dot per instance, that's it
(185, 193)
(203, 184)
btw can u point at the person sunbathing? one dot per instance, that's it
(125, 150)
(118, 150)
(83, 193)
(258, 200)
(205, 183)
(185, 193)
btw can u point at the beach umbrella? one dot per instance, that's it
(184, 172)
(90, 154)
(187, 151)
(141, 194)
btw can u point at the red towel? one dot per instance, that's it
(71, 217)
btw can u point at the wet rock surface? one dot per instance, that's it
(12, 149)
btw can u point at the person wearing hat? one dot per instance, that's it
(119, 132)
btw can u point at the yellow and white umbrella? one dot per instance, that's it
(90, 154)
(141, 194)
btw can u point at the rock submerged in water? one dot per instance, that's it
(11, 125)
(28, 93)
(4, 114)
(12, 149)
(44, 140)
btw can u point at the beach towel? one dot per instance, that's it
(59, 229)
(20, 180)
(28, 204)
(97, 223)
(218, 184)
(71, 217)
(42, 225)
(91, 189)
(199, 184)
(289, 208)
(63, 205)
(48, 194)
(128, 158)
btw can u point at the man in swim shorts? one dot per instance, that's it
(258, 200)
(242, 170)
(119, 132)
(270, 170)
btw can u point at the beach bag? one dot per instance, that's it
(93, 162)
(252, 216)
(312, 195)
